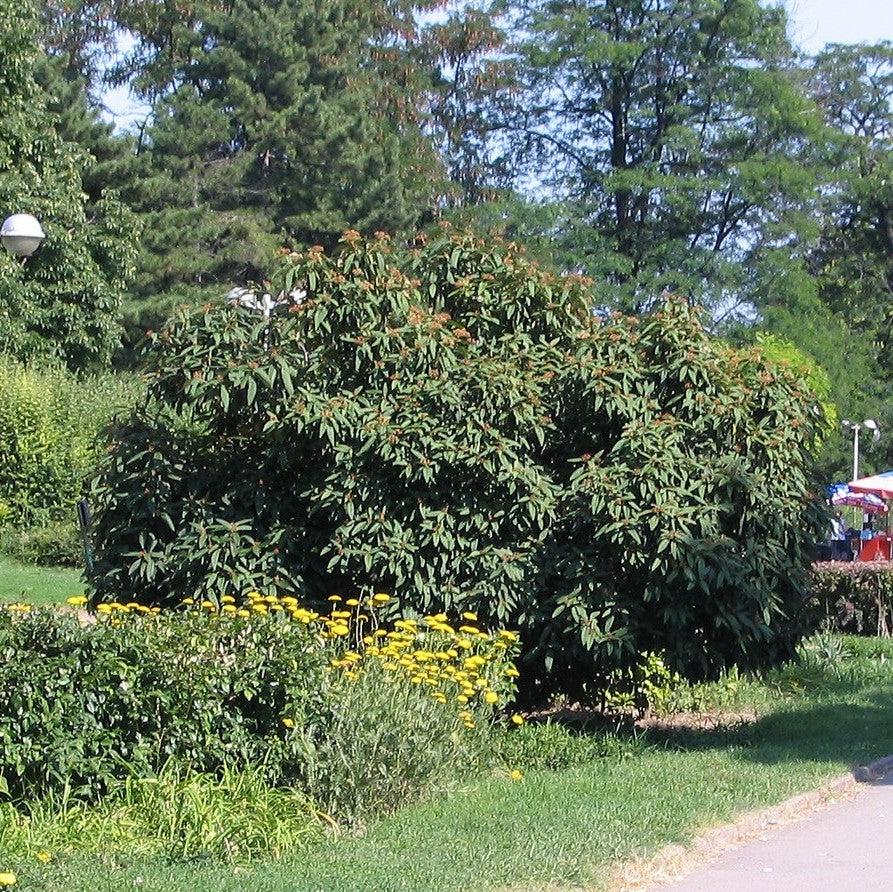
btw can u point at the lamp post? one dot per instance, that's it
(870, 425)
(21, 235)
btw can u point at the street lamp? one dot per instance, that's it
(870, 425)
(21, 235)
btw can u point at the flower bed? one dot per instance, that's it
(355, 714)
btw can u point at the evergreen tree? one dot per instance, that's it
(64, 301)
(111, 160)
(282, 128)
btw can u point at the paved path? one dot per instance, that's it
(846, 847)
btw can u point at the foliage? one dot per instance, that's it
(177, 815)
(456, 427)
(64, 301)
(854, 596)
(264, 688)
(51, 544)
(784, 353)
(51, 423)
(570, 826)
(275, 124)
(678, 135)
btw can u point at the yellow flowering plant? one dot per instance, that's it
(258, 679)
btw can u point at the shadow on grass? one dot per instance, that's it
(830, 730)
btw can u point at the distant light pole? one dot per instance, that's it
(870, 425)
(22, 235)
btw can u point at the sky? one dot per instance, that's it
(817, 22)
(814, 23)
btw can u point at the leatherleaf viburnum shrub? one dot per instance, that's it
(455, 424)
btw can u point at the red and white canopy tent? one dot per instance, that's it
(878, 485)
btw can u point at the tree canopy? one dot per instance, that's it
(65, 301)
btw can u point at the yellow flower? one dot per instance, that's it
(188, 601)
(462, 698)
(381, 598)
(228, 608)
(44, 857)
(227, 599)
(511, 672)
(352, 602)
(76, 601)
(471, 617)
(243, 613)
(491, 697)
(289, 723)
(517, 775)
(517, 719)
(334, 598)
(7, 879)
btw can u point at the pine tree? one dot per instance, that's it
(64, 301)
(282, 129)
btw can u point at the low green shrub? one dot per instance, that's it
(853, 596)
(384, 743)
(51, 544)
(50, 426)
(84, 705)
(269, 687)
(236, 817)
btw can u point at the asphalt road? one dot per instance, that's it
(844, 848)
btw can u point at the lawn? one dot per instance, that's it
(37, 585)
(567, 829)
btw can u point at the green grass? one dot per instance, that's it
(567, 828)
(37, 585)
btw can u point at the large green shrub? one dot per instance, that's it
(50, 436)
(455, 425)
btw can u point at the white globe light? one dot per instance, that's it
(21, 234)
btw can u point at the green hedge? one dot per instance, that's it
(854, 597)
(50, 426)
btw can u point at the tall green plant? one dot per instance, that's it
(51, 425)
(454, 425)
(64, 302)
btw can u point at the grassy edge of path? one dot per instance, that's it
(563, 829)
